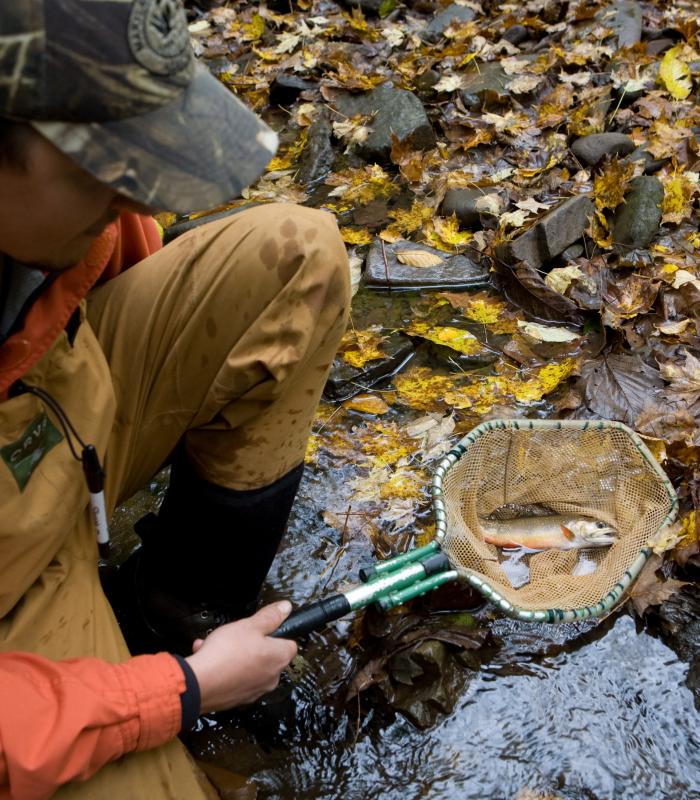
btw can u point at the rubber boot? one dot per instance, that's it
(203, 560)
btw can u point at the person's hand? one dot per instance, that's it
(239, 662)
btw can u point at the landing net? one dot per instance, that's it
(596, 469)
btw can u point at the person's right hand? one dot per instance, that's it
(239, 662)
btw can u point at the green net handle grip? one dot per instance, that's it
(313, 617)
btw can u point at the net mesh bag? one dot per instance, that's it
(600, 470)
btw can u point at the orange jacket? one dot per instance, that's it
(64, 720)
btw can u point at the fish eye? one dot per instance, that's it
(600, 524)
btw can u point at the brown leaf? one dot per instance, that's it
(419, 258)
(371, 674)
(649, 590)
(619, 387)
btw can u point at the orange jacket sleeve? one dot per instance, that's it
(64, 720)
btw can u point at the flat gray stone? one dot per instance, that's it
(637, 220)
(395, 111)
(441, 21)
(551, 235)
(592, 149)
(454, 271)
(489, 83)
(462, 203)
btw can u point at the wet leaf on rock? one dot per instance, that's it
(650, 590)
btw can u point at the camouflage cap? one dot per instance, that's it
(114, 84)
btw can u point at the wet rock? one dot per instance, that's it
(383, 269)
(516, 34)
(659, 46)
(572, 253)
(637, 220)
(592, 149)
(285, 89)
(488, 84)
(462, 202)
(551, 235)
(651, 164)
(345, 380)
(318, 157)
(625, 18)
(426, 80)
(441, 21)
(395, 111)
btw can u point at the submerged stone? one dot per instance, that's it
(346, 381)
(486, 85)
(384, 270)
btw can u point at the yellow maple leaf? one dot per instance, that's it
(254, 29)
(484, 308)
(409, 220)
(455, 338)
(677, 204)
(674, 74)
(356, 235)
(422, 389)
(358, 347)
(444, 233)
(600, 231)
(367, 404)
(610, 185)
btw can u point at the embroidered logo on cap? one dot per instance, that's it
(158, 36)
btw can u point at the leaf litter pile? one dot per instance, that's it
(517, 185)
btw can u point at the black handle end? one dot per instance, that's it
(313, 617)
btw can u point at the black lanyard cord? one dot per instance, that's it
(94, 473)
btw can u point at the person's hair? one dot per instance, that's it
(13, 138)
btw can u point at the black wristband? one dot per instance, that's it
(190, 699)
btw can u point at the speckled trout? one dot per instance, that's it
(559, 531)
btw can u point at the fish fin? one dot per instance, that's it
(504, 544)
(570, 535)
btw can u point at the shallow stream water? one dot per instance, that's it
(592, 711)
(578, 712)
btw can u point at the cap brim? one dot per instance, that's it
(197, 152)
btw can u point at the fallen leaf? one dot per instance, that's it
(419, 258)
(489, 204)
(559, 279)
(546, 333)
(649, 590)
(675, 75)
(619, 387)
(367, 403)
(455, 338)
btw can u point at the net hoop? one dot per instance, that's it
(486, 587)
